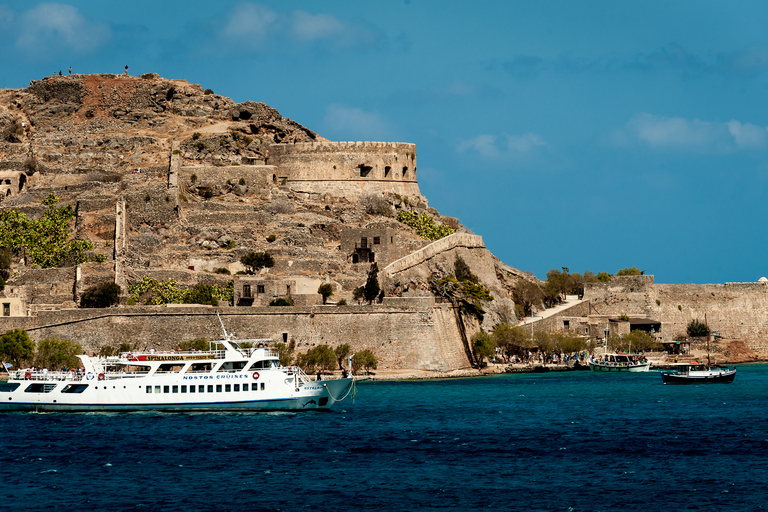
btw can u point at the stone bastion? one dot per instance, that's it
(348, 169)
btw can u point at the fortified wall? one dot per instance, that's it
(415, 334)
(347, 169)
(737, 310)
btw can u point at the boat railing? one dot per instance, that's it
(298, 372)
(38, 375)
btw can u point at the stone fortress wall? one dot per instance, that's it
(347, 169)
(413, 334)
(737, 310)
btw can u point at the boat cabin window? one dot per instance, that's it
(237, 387)
(200, 389)
(199, 368)
(7, 387)
(218, 388)
(138, 369)
(170, 368)
(262, 386)
(210, 389)
(40, 388)
(149, 389)
(228, 388)
(254, 386)
(266, 363)
(76, 388)
(175, 389)
(232, 366)
(157, 389)
(166, 389)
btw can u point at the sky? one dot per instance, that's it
(591, 135)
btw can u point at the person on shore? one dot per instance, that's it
(70, 70)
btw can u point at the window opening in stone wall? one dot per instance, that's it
(386, 171)
(364, 170)
(285, 337)
(6, 309)
(259, 288)
(274, 179)
(364, 243)
(405, 171)
(355, 258)
(376, 240)
(567, 325)
(287, 289)
(372, 257)
(246, 290)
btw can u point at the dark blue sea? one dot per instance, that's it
(576, 441)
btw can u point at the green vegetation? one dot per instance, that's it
(255, 261)
(342, 352)
(101, 295)
(342, 302)
(326, 290)
(196, 135)
(527, 295)
(630, 271)
(222, 270)
(697, 329)
(281, 301)
(55, 354)
(45, 240)
(364, 359)
(271, 238)
(635, 340)
(230, 245)
(482, 346)
(424, 225)
(467, 294)
(16, 347)
(371, 289)
(150, 291)
(198, 344)
(320, 358)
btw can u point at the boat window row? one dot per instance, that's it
(228, 367)
(210, 388)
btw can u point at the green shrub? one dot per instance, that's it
(342, 302)
(424, 225)
(222, 271)
(230, 245)
(101, 295)
(208, 92)
(271, 238)
(196, 135)
(255, 261)
(281, 301)
(176, 152)
(147, 198)
(697, 329)
(241, 182)
(100, 258)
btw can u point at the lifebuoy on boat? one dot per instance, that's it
(27, 375)
(101, 376)
(255, 375)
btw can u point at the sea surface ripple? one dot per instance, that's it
(572, 442)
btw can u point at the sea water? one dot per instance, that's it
(562, 441)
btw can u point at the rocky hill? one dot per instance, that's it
(170, 180)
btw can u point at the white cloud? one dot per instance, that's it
(310, 27)
(356, 124)
(51, 27)
(677, 133)
(502, 147)
(248, 23)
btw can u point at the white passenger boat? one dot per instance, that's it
(225, 378)
(619, 363)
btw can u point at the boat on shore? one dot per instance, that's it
(227, 377)
(698, 373)
(619, 363)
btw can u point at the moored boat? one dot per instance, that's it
(619, 363)
(698, 373)
(227, 377)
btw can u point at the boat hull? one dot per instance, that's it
(725, 377)
(319, 396)
(600, 367)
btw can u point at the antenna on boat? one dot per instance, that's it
(226, 334)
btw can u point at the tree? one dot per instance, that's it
(342, 352)
(285, 352)
(364, 359)
(462, 271)
(528, 294)
(358, 293)
(5, 263)
(372, 284)
(320, 358)
(697, 329)
(16, 346)
(202, 294)
(54, 353)
(482, 346)
(630, 271)
(510, 338)
(255, 261)
(101, 295)
(45, 239)
(326, 290)
(281, 301)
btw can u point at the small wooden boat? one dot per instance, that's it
(698, 373)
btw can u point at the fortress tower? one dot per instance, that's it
(348, 169)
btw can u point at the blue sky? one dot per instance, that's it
(594, 135)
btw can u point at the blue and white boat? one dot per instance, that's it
(225, 378)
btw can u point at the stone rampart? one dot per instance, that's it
(255, 177)
(415, 337)
(737, 310)
(349, 169)
(430, 251)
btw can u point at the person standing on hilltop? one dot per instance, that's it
(126, 69)
(70, 70)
